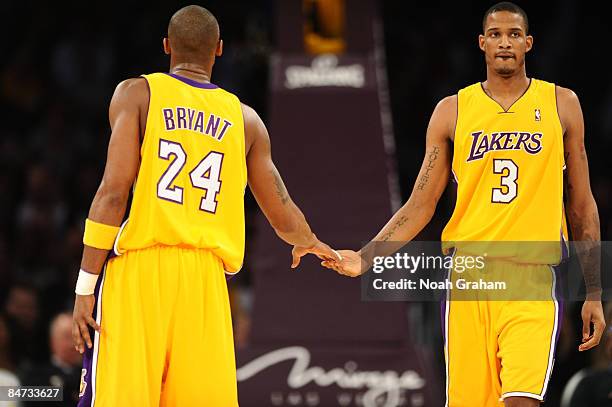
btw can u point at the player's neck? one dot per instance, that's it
(196, 71)
(506, 86)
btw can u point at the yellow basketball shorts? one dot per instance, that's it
(498, 348)
(166, 333)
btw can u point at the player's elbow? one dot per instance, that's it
(112, 196)
(283, 226)
(423, 209)
(581, 206)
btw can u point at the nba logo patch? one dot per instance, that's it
(538, 117)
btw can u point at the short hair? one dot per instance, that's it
(506, 6)
(193, 31)
(56, 320)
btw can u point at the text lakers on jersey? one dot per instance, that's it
(483, 143)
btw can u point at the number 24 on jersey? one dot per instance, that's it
(204, 176)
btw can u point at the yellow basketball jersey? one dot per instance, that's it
(509, 169)
(190, 186)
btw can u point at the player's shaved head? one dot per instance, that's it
(193, 32)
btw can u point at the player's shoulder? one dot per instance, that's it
(132, 89)
(247, 110)
(132, 85)
(568, 108)
(249, 115)
(448, 103)
(447, 108)
(565, 95)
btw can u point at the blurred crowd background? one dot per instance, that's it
(62, 62)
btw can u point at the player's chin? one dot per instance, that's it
(505, 70)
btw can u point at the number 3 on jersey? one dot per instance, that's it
(205, 175)
(509, 170)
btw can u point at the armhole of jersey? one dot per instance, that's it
(556, 99)
(557, 106)
(454, 143)
(245, 169)
(456, 119)
(147, 126)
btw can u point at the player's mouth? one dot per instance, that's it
(505, 55)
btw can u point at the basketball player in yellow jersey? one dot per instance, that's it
(159, 310)
(511, 137)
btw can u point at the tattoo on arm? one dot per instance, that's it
(281, 191)
(588, 248)
(432, 156)
(387, 236)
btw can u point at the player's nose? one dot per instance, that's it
(505, 42)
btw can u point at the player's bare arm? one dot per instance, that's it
(271, 194)
(416, 213)
(582, 215)
(127, 115)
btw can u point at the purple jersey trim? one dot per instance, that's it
(188, 81)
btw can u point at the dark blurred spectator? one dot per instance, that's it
(40, 219)
(5, 276)
(592, 387)
(22, 311)
(63, 369)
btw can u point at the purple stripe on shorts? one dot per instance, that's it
(188, 81)
(443, 318)
(85, 400)
(559, 297)
(564, 248)
(560, 302)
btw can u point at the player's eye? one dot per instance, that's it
(515, 34)
(494, 34)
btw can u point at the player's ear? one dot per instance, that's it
(481, 42)
(528, 43)
(166, 43)
(219, 50)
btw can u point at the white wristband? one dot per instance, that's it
(86, 283)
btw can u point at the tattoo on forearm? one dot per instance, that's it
(432, 156)
(588, 248)
(387, 236)
(281, 191)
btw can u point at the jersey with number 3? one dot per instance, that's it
(190, 186)
(508, 165)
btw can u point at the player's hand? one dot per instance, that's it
(350, 265)
(592, 312)
(319, 249)
(82, 320)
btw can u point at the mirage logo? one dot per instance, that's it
(386, 385)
